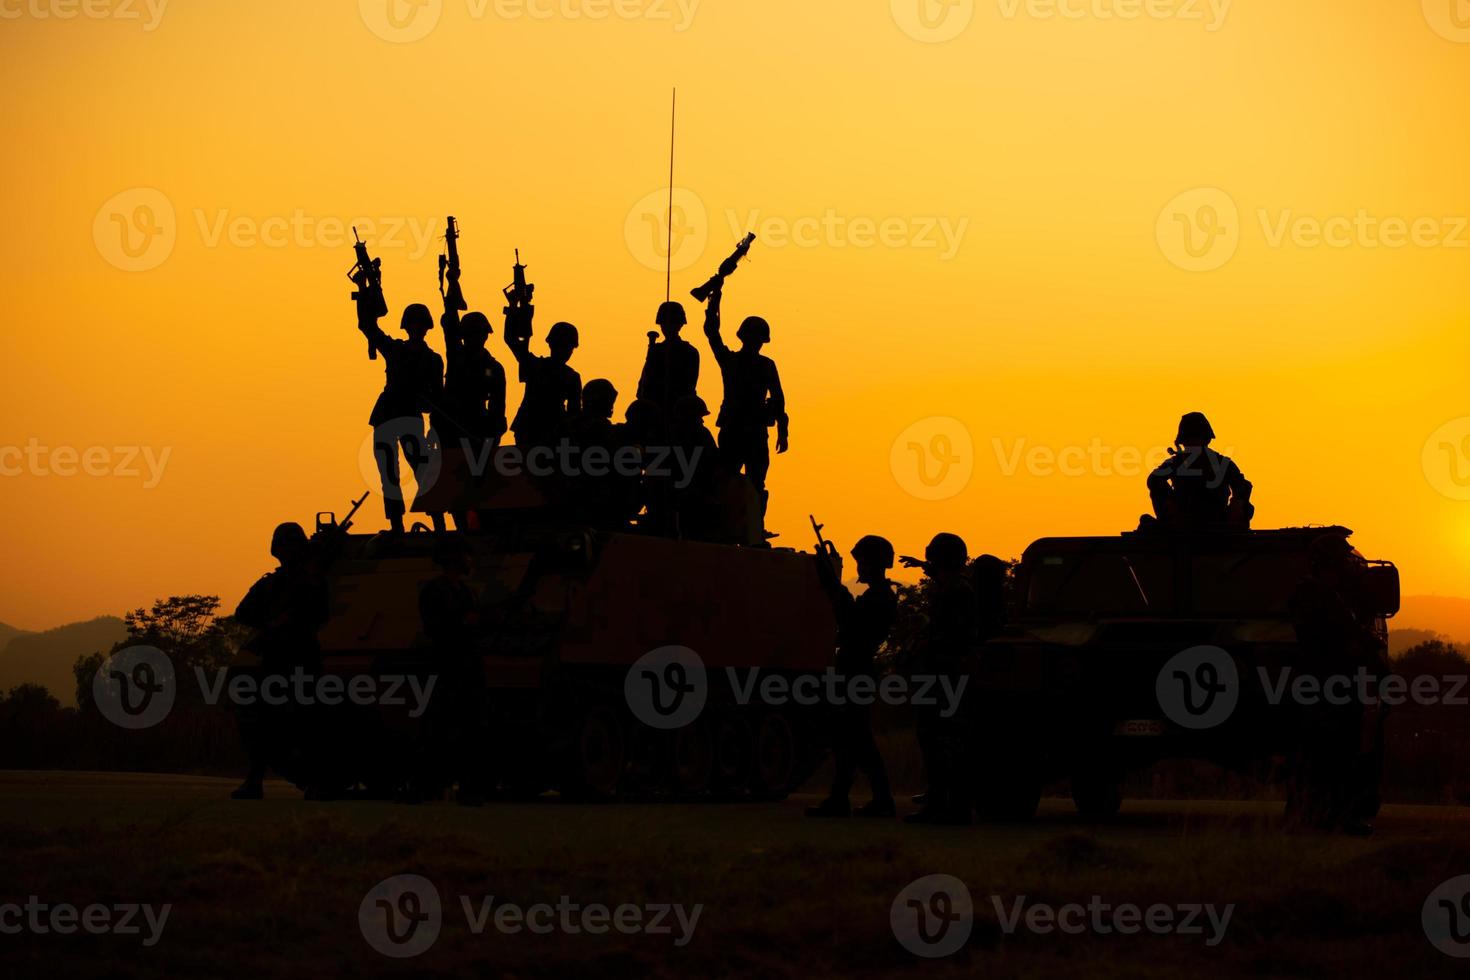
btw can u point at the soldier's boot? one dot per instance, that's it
(831, 807)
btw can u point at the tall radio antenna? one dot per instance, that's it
(669, 215)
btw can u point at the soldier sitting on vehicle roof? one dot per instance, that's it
(1197, 487)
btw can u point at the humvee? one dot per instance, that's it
(1076, 687)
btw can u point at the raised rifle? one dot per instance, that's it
(367, 276)
(827, 556)
(518, 297)
(453, 295)
(727, 269)
(330, 532)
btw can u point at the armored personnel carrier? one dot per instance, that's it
(568, 609)
(1122, 651)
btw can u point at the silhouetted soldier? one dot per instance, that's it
(286, 608)
(753, 399)
(470, 419)
(553, 390)
(600, 493)
(456, 722)
(413, 386)
(946, 650)
(1333, 780)
(671, 370)
(694, 471)
(863, 625)
(1197, 487)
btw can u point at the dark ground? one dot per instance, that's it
(274, 888)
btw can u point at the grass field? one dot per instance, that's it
(274, 888)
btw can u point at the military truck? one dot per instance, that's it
(568, 610)
(1116, 648)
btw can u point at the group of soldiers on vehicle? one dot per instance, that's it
(721, 498)
(963, 602)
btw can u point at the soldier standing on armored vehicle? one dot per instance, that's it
(456, 723)
(753, 399)
(286, 608)
(863, 625)
(553, 389)
(413, 386)
(1334, 776)
(946, 650)
(470, 419)
(671, 369)
(1197, 487)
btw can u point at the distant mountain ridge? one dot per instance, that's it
(46, 658)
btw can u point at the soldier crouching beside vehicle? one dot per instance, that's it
(286, 608)
(863, 626)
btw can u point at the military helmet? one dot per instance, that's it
(947, 551)
(1194, 427)
(873, 547)
(671, 313)
(562, 333)
(754, 329)
(417, 315)
(287, 539)
(476, 325)
(599, 391)
(690, 407)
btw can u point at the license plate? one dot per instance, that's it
(1145, 728)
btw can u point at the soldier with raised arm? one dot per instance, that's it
(413, 386)
(470, 419)
(753, 399)
(553, 389)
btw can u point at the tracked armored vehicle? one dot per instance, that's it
(1123, 651)
(568, 609)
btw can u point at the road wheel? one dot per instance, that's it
(599, 754)
(692, 759)
(774, 756)
(732, 747)
(1098, 795)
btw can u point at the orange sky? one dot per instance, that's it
(987, 229)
